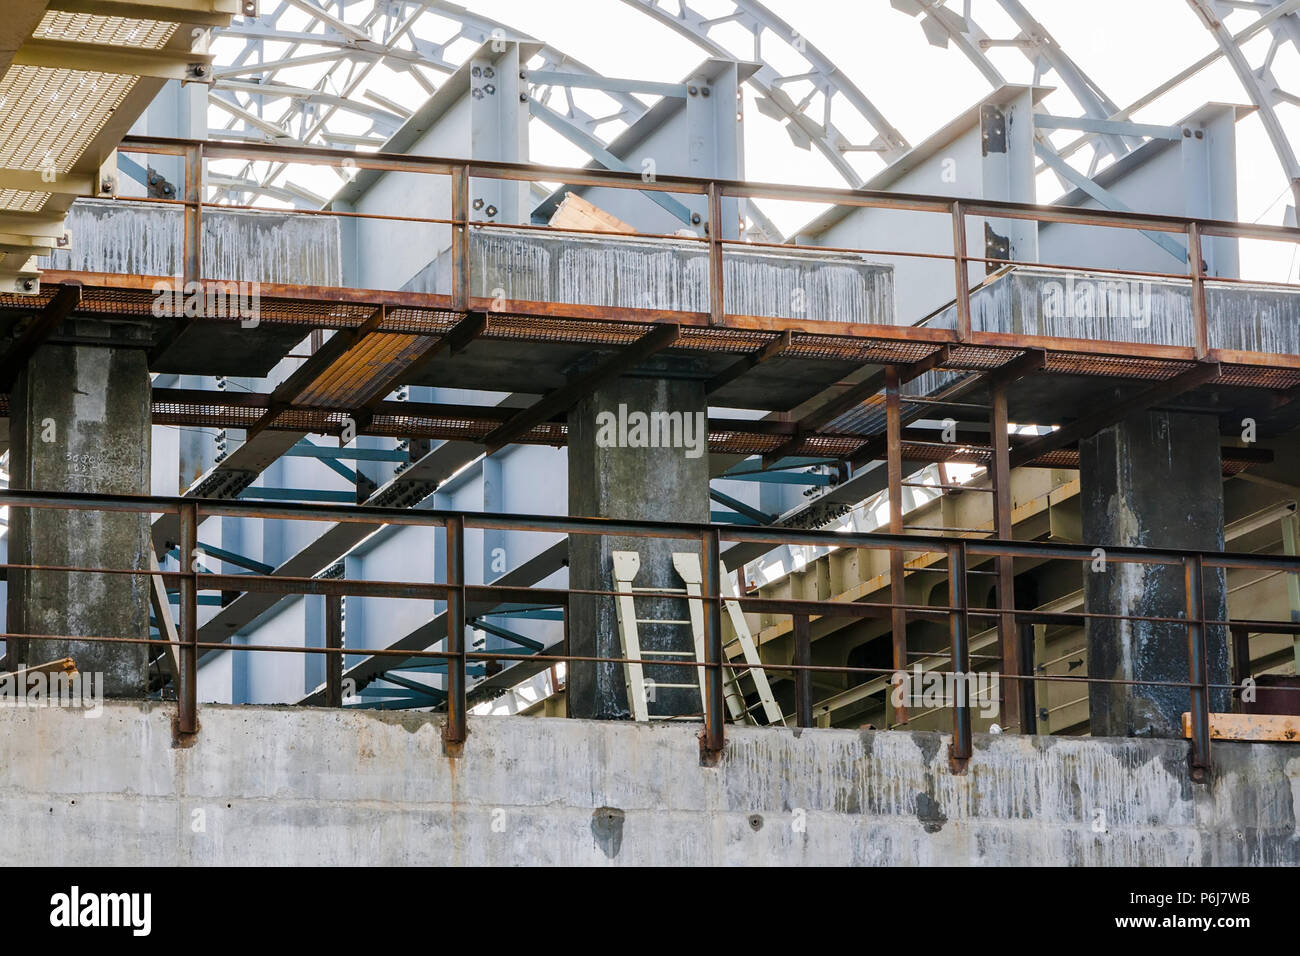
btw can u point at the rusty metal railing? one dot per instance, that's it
(957, 613)
(196, 153)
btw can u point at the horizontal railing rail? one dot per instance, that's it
(956, 612)
(461, 221)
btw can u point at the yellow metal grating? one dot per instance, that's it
(104, 30)
(48, 116)
(369, 365)
(20, 200)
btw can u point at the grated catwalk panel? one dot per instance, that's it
(308, 308)
(104, 30)
(473, 429)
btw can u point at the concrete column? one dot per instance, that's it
(80, 418)
(1153, 480)
(624, 479)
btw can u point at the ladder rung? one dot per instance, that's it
(688, 686)
(658, 620)
(667, 653)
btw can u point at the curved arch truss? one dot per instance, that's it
(312, 71)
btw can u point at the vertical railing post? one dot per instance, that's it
(567, 611)
(897, 558)
(192, 266)
(961, 274)
(1197, 669)
(959, 639)
(713, 740)
(455, 731)
(1025, 687)
(1196, 266)
(460, 239)
(1008, 636)
(717, 284)
(188, 632)
(1240, 659)
(803, 701)
(334, 642)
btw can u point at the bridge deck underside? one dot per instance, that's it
(751, 362)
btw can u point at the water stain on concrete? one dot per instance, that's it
(928, 812)
(928, 743)
(607, 828)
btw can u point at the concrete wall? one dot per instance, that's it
(139, 239)
(304, 786)
(635, 272)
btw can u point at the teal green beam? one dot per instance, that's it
(331, 463)
(741, 508)
(308, 450)
(781, 477)
(416, 686)
(508, 635)
(533, 614)
(300, 494)
(230, 557)
(730, 517)
(754, 467)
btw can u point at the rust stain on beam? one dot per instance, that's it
(1283, 728)
(62, 305)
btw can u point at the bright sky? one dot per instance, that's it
(1126, 46)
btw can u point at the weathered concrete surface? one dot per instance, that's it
(1076, 303)
(141, 239)
(1152, 480)
(637, 272)
(633, 483)
(272, 786)
(80, 421)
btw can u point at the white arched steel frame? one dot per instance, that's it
(808, 100)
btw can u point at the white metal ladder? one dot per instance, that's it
(687, 564)
(627, 564)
